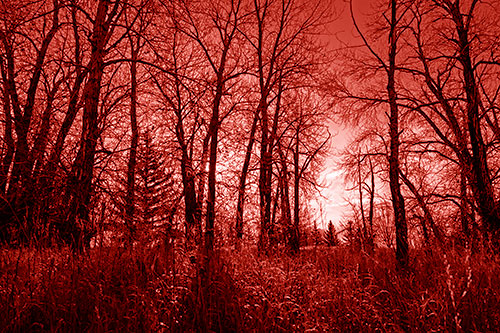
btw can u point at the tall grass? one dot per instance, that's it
(322, 289)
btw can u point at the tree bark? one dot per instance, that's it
(488, 209)
(295, 231)
(242, 182)
(265, 170)
(371, 243)
(286, 213)
(132, 159)
(8, 138)
(212, 167)
(402, 255)
(427, 218)
(361, 204)
(77, 230)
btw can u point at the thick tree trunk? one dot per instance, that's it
(464, 204)
(5, 212)
(77, 230)
(488, 209)
(212, 168)
(202, 183)
(190, 200)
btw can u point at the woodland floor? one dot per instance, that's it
(322, 289)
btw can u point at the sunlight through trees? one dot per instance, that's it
(181, 136)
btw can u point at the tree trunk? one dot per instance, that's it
(242, 183)
(488, 209)
(132, 159)
(295, 232)
(361, 205)
(72, 111)
(21, 169)
(77, 229)
(371, 243)
(402, 255)
(286, 213)
(265, 169)
(8, 138)
(464, 204)
(19, 200)
(427, 218)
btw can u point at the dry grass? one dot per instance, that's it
(323, 289)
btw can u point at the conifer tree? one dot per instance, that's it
(154, 200)
(331, 238)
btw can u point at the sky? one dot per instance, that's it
(341, 28)
(333, 204)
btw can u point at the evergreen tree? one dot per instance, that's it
(154, 199)
(154, 195)
(331, 238)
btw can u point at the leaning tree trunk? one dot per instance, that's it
(428, 220)
(242, 183)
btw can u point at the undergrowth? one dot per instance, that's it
(322, 289)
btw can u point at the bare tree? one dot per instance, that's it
(20, 106)
(79, 185)
(280, 28)
(390, 68)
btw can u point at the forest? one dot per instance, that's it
(165, 165)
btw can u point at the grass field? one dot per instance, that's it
(322, 289)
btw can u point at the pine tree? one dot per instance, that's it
(155, 199)
(331, 238)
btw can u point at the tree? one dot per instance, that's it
(17, 206)
(243, 180)
(79, 185)
(184, 99)
(307, 145)
(331, 238)
(135, 43)
(390, 68)
(462, 116)
(394, 169)
(362, 163)
(277, 34)
(156, 199)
